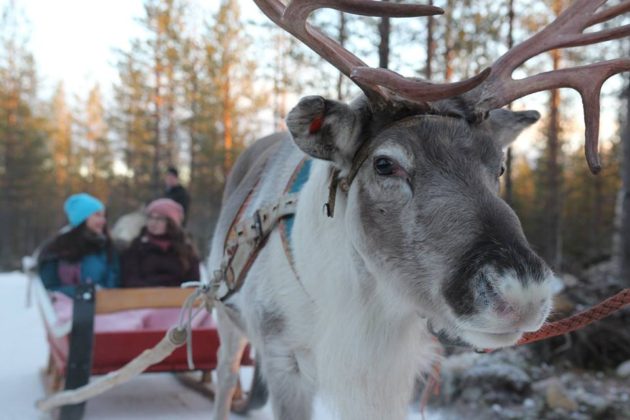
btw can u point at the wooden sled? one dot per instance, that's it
(77, 352)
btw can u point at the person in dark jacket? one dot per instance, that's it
(175, 191)
(82, 252)
(161, 255)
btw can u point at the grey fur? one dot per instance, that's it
(272, 323)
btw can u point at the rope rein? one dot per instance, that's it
(579, 320)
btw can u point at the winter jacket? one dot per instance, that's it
(179, 195)
(61, 272)
(151, 262)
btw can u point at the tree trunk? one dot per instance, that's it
(597, 246)
(428, 70)
(342, 36)
(384, 29)
(448, 47)
(227, 123)
(157, 146)
(193, 127)
(552, 205)
(8, 215)
(508, 194)
(621, 244)
(172, 157)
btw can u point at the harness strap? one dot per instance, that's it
(250, 236)
(247, 237)
(298, 179)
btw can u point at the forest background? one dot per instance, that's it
(193, 91)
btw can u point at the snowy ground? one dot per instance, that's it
(151, 396)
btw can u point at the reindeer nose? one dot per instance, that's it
(516, 303)
(504, 309)
(523, 316)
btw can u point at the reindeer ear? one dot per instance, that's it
(325, 129)
(506, 125)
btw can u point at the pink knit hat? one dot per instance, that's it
(167, 208)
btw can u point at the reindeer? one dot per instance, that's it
(419, 243)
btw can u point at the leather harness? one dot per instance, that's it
(246, 237)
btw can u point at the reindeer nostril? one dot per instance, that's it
(503, 308)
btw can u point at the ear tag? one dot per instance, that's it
(316, 125)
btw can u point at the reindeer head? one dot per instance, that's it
(424, 214)
(419, 166)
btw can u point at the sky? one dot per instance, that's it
(75, 40)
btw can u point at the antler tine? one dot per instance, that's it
(566, 31)
(301, 9)
(293, 18)
(610, 13)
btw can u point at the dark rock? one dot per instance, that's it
(499, 376)
(623, 370)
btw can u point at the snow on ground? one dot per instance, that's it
(156, 396)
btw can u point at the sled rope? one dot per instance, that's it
(579, 320)
(175, 337)
(206, 292)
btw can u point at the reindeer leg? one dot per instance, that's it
(233, 343)
(291, 393)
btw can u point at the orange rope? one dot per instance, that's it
(579, 320)
(551, 329)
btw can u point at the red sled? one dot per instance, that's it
(82, 346)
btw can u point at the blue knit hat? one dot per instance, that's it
(79, 207)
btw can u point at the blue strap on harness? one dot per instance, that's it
(296, 186)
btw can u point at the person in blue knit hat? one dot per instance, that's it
(82, 252)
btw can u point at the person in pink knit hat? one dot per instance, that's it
(162, 254)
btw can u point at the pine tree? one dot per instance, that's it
(201, 125)
(95, 148)
(25, 187)
(64, 151)
(164, 21)
(132, 122)
(234, 74)
(147, 98)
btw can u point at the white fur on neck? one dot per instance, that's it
(368, 350)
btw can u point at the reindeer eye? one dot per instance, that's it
(502, 170)
(384, 166)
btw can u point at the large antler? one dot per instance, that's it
(566, 31)
(293, 19)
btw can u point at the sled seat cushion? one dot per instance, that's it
(121, 334)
